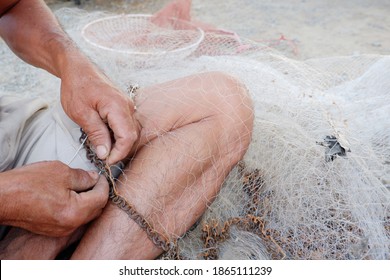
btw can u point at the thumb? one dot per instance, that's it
(81, 180)
(94, 200)
(98, 135)
(98, 195)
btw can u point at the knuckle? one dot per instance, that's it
(70, 219)
(70, 175)
(130, 137)
(108, 102)
(80, 177)
(99, 137)
(94, 127)
(78, 112)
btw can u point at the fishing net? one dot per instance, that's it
(315, 181)
(143, 38)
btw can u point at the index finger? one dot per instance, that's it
(125, 130)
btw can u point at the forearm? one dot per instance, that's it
(34, 34)
(8, 190)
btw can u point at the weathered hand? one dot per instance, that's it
(90, 99)
(87, 95)
(49, 198)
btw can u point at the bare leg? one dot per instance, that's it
(20, 244)
(194, 130)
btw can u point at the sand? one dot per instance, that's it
(312, 29)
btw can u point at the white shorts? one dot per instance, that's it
(30, 132)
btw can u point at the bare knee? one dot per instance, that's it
(212, 96)
(235, 114)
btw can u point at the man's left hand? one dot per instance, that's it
(91, 100)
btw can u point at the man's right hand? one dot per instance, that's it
(50, 198)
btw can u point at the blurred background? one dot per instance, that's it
(300, 29)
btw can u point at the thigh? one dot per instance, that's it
(168, 106)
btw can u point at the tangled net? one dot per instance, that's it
(315, 181)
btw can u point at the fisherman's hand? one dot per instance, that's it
(49, 198)
(91, 100)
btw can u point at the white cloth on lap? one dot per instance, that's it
(30, 132)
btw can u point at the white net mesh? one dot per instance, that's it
(317, 173)
(143, 38)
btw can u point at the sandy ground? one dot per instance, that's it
(313, 28)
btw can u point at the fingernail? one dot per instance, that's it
(101, 151)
